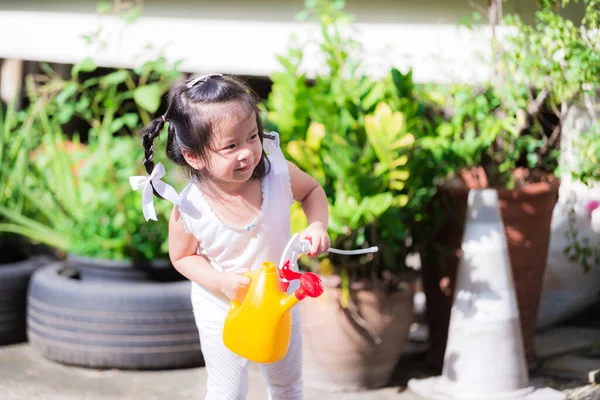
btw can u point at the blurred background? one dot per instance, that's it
(397, 108)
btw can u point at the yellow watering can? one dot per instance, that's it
(259, 327)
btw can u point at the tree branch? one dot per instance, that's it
(533, 108)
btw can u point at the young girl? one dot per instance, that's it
(233, 216)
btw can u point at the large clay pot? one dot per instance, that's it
(339, 353)
(527, 214)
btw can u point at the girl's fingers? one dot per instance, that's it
(326, 244)
(244, 280)
(314, 248)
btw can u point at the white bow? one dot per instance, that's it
(272, 148)
(165, 190)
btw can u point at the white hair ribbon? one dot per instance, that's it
(163, 189)
(273, 151)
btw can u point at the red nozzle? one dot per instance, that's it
(286, 272)
(310, 285)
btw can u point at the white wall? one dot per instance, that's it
(243, 37)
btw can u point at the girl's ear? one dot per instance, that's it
(193, 160)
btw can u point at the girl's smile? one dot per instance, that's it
(248, 167)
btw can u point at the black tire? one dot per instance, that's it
(92, 269)
(14, 279)
(103, 325)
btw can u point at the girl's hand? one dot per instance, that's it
(233, 284)
(316, 233)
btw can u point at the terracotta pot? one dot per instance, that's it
(342, 354)
(527, 214)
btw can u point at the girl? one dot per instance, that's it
(233, 216)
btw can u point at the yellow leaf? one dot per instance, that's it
(314, 135)
(401, 161)
(370, 123)
(383, 110)
(402, 200)
(397, 123)
(397, 185)
(399, 175)
(406, 140)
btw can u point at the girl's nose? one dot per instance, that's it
(244, 154)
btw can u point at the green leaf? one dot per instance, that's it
(65, 113)
(87, 39)
(132, 15)
(130, 120)
(86, 65)
(376, 205)
(38, 235)
(67, 92)
(375, 96)
(104, 7)
(114, 78)
(116, 125)
(82, 105)
(148, 97)
(303, 15)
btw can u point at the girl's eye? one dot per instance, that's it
(253, 136)
(230, 147)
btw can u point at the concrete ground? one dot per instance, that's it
(25, 375)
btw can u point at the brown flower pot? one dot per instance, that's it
(527, 214)
(341, 352)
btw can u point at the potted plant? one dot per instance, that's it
(506, 135)
(73, 184)
(355, 134)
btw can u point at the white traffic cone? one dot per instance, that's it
(484, 357)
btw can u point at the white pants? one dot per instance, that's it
(228, 372)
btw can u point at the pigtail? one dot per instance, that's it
(149, 133)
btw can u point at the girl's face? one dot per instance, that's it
(237, 151)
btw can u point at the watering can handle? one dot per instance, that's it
(305, 244)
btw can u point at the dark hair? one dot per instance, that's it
(194, 109)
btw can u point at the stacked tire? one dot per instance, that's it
(137, 324)
(14, 280)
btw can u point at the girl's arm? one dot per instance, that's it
(311, 196)
(183, 248)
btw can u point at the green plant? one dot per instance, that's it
(80, 194)
(84, 204)
(356, 135)
(515, 120)
(588, 168)
(562, 59)
(582, 249)
(16, 141)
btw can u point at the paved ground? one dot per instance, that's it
(25, 375)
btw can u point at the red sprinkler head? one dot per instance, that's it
(310, 285)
